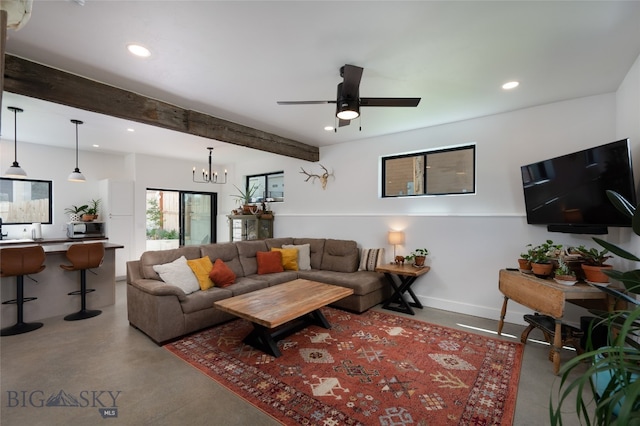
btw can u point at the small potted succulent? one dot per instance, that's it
(594, 263)
(563, 274)
(418, 256)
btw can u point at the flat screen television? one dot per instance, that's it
(568, 193)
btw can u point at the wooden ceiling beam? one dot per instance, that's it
(39, 81)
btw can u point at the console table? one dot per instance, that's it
(548, 298)
(406, 275)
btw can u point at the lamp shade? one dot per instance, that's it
(396, 237)
(76, 176)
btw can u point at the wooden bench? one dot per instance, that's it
(570, 335)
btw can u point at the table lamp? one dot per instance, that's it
(395, 238)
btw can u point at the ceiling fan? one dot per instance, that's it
(348, 101)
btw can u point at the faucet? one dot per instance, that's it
(1, 234)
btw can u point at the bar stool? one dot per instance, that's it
(18, 262)
(83, 257)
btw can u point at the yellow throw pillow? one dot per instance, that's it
(289, 258)
(201, 268)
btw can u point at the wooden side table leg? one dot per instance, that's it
(503, 312)
(557, 346)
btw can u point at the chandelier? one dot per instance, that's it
(209, 176)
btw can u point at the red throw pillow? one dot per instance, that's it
(221, 274)
(269, 262)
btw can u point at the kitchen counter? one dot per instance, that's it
(53, 283)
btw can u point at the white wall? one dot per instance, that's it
(485, 231)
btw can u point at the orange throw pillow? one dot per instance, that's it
(221, 274)
(269, 262)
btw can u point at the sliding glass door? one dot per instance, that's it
(180, 218)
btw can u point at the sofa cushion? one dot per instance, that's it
(159, 257)
(316, 249)
(289, 258)
(228, 252)
(362, 282)
(204, 299)
(278, 242)
(201, 268)
(269, 262)
(221, 274)
(179, 274)
(340, 256)
(247, 254)
(304, 255)
(370, 259)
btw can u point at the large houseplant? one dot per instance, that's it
(614, 371)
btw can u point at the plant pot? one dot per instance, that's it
(89, 217)
(565, 279)
(541, 270)
(524, 265)
(594, 274)
(419, 260)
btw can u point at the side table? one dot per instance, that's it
(406, 275)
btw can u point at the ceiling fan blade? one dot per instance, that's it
(390, 102)
(351, 84)
(304, 102)
(343, 122)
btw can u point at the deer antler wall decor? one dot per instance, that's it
(323, 177)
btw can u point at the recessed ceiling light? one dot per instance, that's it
(95, 145)
(131, 130)
(138, 50)
(328, 128)
(510, 85)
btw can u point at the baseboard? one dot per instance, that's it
(514, 315)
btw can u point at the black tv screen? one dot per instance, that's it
(571, 189)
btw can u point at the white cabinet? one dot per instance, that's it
(117, 213)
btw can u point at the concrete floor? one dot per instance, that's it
(103, 358)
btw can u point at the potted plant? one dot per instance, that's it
(594, 263)
(563, 274)
(418, 256)
(75, 212)
(91, 212)
(614, 373)
(541, 257)
(244, 197)
(524, 262)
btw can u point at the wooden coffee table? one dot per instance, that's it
(277, 311)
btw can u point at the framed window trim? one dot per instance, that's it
(26, 201)
(270, 187)
(441, 171)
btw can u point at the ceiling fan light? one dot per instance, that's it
(348, 110)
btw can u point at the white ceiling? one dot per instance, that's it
(235, 59)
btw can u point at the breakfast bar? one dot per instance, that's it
(54, 283)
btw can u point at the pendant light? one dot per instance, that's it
(15, 170)
(75, 175)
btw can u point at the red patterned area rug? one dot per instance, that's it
(373, 368)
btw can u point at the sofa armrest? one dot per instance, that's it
(159, 288)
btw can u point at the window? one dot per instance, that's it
(438, 172)
(270, 187)
(25, 201)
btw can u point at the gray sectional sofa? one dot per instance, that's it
(165, 312)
